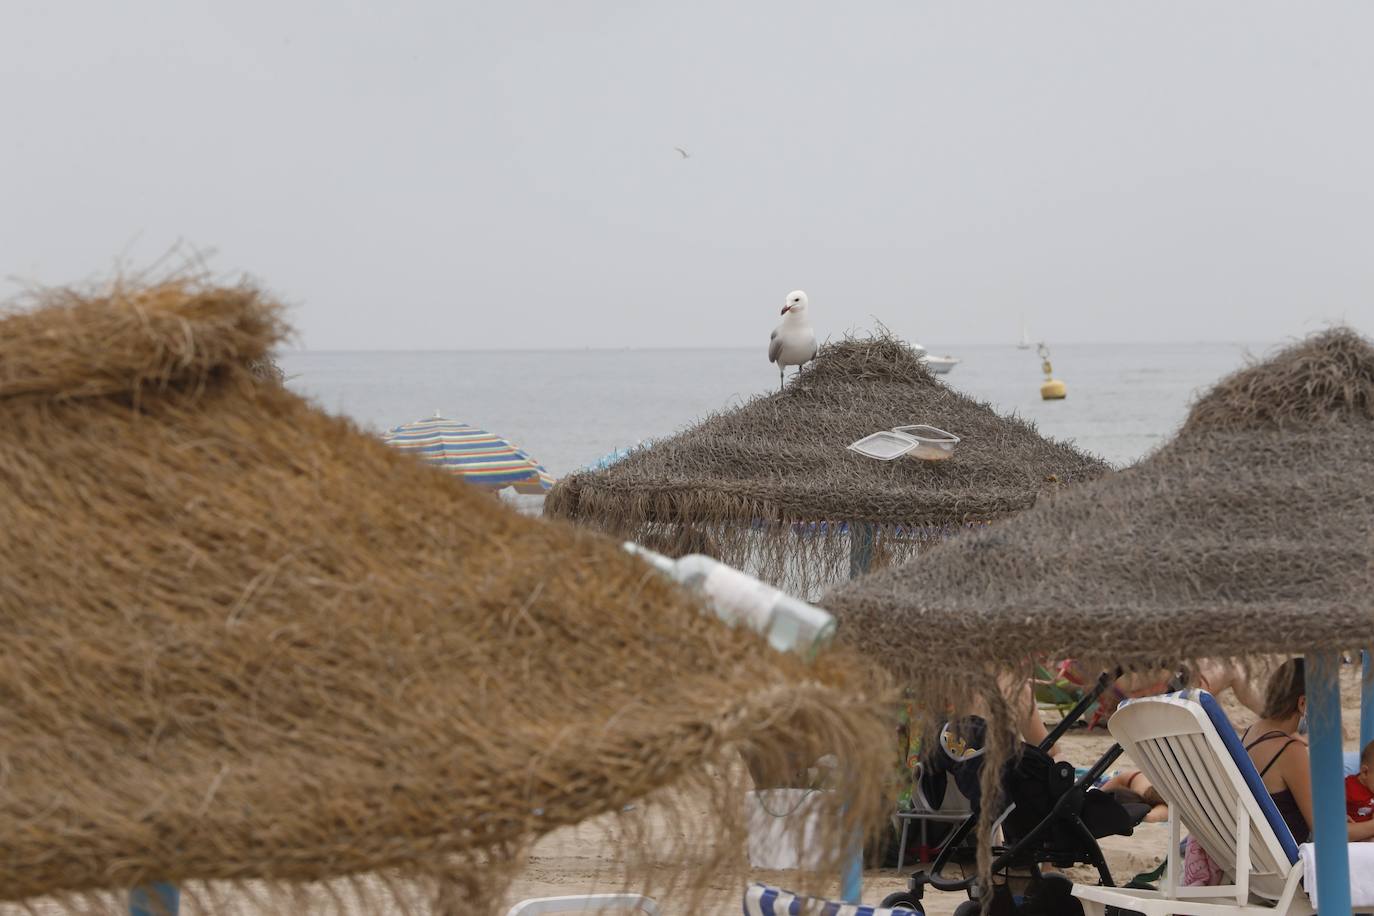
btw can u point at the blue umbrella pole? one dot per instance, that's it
(860, 558)
(155, 900)
(1367, 702)
(1328, 781)
(860, 548)
(852, 878)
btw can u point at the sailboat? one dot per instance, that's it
(1025, 343)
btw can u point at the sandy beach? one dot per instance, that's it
(581, 860)
(585, 859)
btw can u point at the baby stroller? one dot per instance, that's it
(1051, 819)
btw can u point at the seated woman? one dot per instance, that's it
(1276, 745)
(1025, 712)
(961, 740)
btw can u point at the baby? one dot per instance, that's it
(1359, 792)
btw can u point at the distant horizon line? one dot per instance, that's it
(946, 349)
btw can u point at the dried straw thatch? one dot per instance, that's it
(1251, 533)
(245, 642)
(772, 486)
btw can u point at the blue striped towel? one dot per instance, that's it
(762, 900)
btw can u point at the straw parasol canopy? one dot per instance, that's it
(246, 642)
(771, 484)
(1251, 533)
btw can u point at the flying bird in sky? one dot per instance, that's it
(685, 154)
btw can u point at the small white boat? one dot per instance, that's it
(940, 365)
(1025, 343)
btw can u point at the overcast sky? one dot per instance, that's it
(454, 174)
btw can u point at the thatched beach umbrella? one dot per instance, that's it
(1250, 534)
(771, 484)
(1247, 534)
(246, 642)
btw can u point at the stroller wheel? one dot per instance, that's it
(904, 901)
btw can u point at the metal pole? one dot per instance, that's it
(1367, 702)
(860, 548)
(860, 558)
(852, 878)
(1328, 781)
(155, 900)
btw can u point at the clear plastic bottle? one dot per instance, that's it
(739, 599)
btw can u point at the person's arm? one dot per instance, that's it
(1033, 730)
(1119, 780)
(1246, 692)
(1297, 776)
(1359, 831)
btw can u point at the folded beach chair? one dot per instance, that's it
(1054, 691)
(762, 900)
(1186, 747)
(585, 903)
(1061, 691)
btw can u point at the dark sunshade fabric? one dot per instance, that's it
(246, 642)
(771, 485)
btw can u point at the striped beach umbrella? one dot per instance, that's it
(476, 455)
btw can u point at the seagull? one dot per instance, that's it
(793, 342)
(685, 154)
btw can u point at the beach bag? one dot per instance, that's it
(1199, 870)
(782, 825)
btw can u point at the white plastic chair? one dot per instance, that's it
(585, 903)
(953, 809)
(1186, 747)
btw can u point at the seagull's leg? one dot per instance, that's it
(782, 378)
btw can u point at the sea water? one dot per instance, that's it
(568, 408)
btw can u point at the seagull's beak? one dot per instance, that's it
(785, 309)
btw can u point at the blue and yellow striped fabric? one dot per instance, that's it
(762, 900)
(476, 455)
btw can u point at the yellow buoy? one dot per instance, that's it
(1053, 389)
